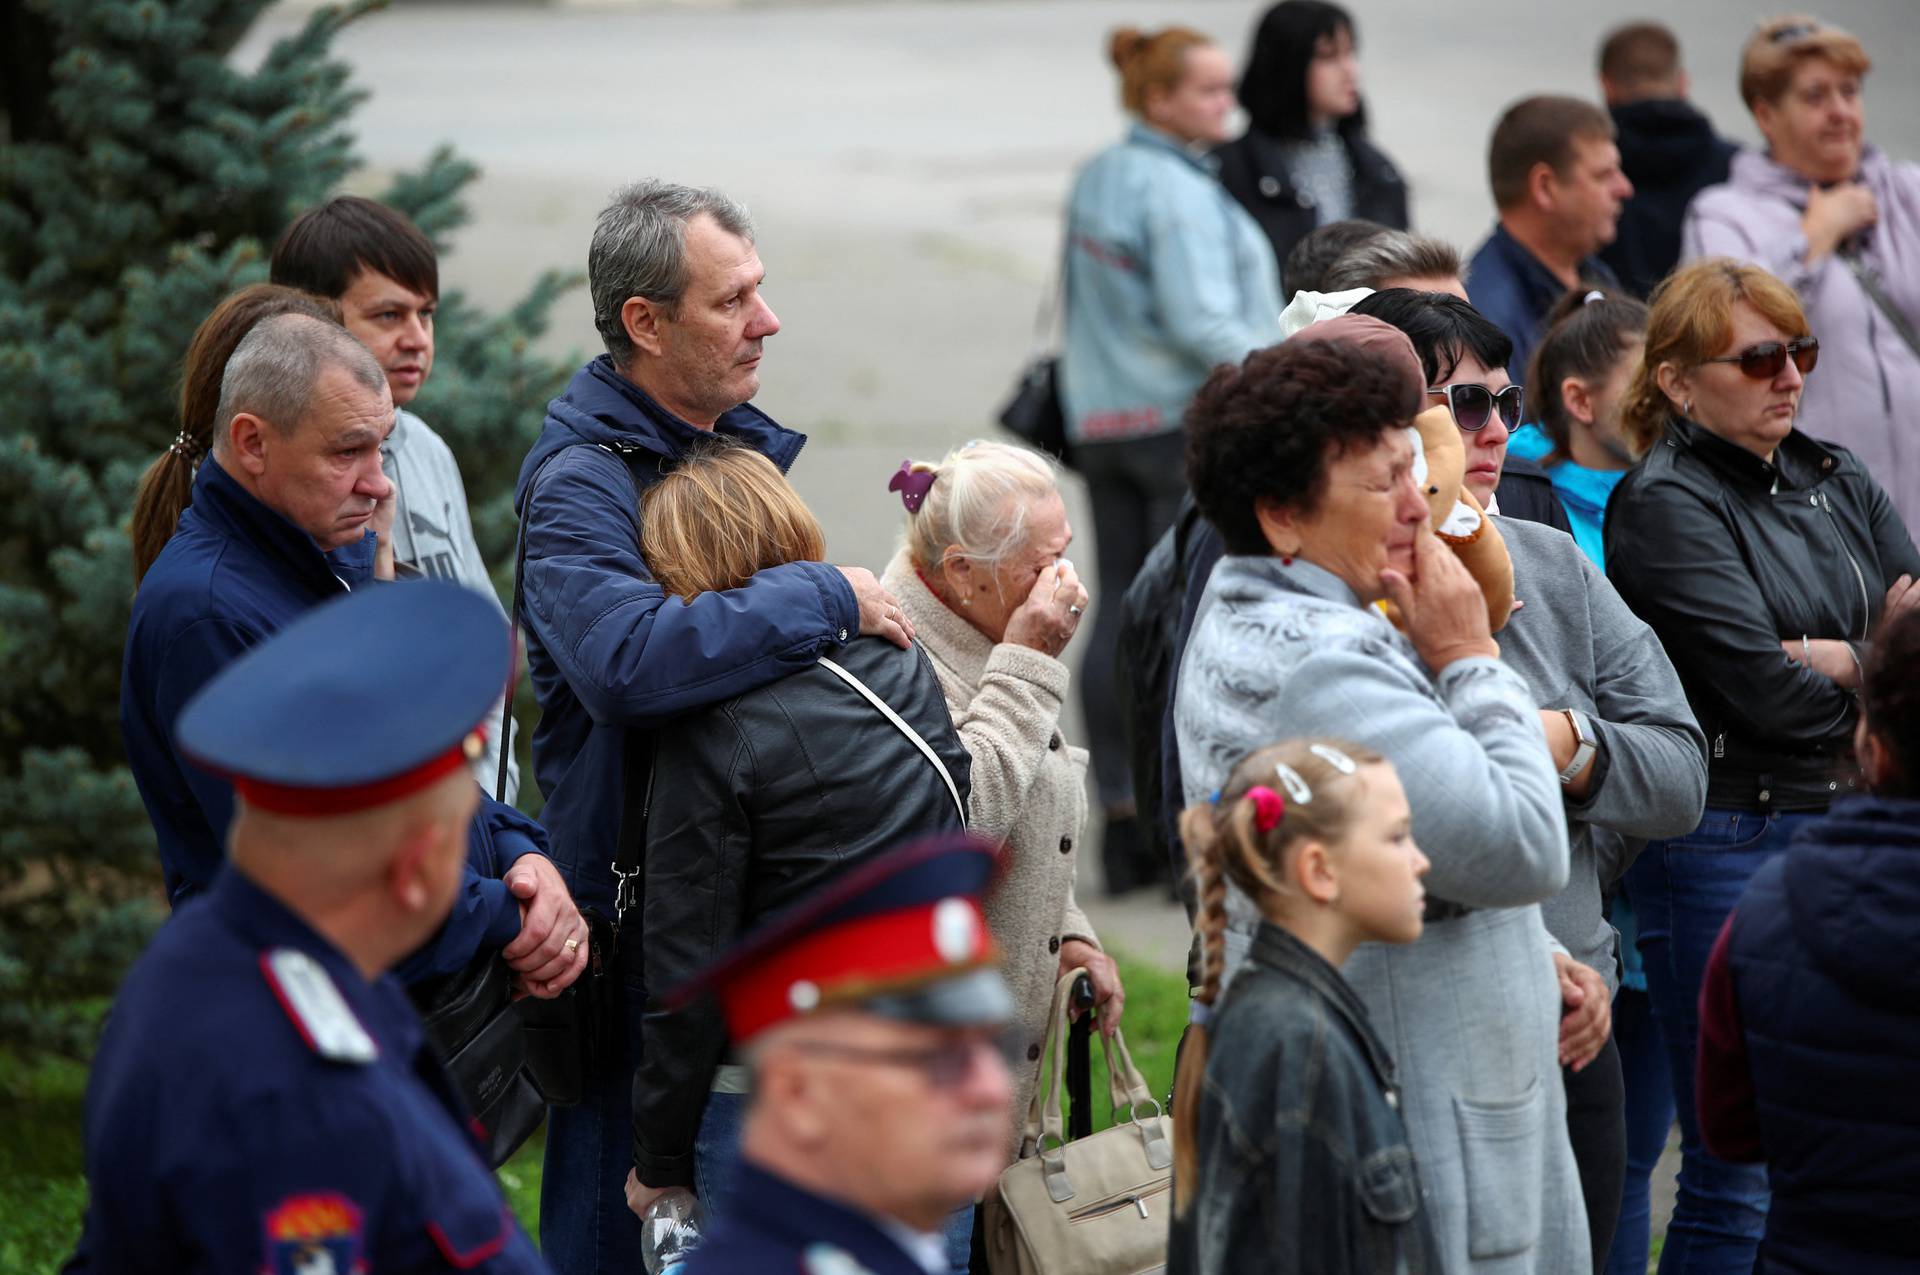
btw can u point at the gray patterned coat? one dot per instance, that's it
(1471, 1011)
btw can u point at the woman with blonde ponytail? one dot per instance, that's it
(1290, 1152)
(1165, 276)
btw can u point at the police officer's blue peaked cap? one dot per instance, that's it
(903, 934)
(359, 703)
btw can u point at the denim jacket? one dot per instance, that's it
(1165, 277)
(1304, 1164)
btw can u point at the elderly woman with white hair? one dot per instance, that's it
(984, 579)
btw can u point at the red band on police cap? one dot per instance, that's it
(866, 955)
(288, 799)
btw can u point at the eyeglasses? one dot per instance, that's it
(1793, 31)
(1472, 405)
(946, 1065)
(1765, 361)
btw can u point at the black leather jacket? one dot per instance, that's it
(1726, 556)
(1303, 1161)
(754, 803)
(1250, 172)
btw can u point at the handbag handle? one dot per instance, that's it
(1126, 1086)
(886, 710)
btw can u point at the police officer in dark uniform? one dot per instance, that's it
(263, 1099)
(870, 1016)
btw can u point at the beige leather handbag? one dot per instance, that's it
(1098, 1206)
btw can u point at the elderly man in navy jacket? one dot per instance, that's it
(675, 282)
(285, 516)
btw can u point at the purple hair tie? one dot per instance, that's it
(912, 485)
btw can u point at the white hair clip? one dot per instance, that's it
(1591, 297)
(1296, 787)
(1334, 758)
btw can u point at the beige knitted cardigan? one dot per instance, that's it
(1029, 791)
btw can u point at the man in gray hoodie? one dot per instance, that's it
(384, 273)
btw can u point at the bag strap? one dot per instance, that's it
(519, 599)
(1126, 1086)
(1053, 303)
(632, 836)
(1869, 284)
(886, 710)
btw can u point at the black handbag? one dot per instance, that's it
(1034, 413)
(1033, 410)
(474, 1026)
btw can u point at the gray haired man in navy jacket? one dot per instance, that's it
(675, 282)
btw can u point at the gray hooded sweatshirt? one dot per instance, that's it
(433, 532)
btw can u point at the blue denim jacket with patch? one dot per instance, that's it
(1303, 1160)
(1166, 277)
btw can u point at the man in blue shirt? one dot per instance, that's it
(263, 1098)
(1558, 186)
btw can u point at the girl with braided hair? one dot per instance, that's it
(1288, 1135)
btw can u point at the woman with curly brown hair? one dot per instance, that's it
(1300, 457)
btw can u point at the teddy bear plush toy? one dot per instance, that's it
(1439, 467)
(1440, 458)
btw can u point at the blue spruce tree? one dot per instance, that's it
(143, 177)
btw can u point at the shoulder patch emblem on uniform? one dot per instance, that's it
(826, 1259)
(314, 1003)
(315, 1235)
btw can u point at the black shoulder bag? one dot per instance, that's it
(1033, 410)
(571, 1038)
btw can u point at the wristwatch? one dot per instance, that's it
(1584, 750)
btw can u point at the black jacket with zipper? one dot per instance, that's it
(1726, 556)
(1250, 171)
(753, 804)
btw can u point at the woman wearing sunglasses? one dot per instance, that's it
(1466, 370)
(1626, 747)
(1763, 559)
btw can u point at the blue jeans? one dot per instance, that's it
(586, 1227)
(1643, 1069)
(1683, 890)
(716, 1158)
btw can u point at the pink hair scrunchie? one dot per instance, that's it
(1269, 807)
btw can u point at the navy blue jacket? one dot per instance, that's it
(256, 1102)
(1670, 153)
(234, 573)
(783, 1228)
(1822, 956)
(1515, 289)
(608, 654)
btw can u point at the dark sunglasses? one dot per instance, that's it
(1472, 405)
(1763, 362)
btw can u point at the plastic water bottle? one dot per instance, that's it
(670, 1231)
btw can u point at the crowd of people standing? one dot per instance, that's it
(1516, 620)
